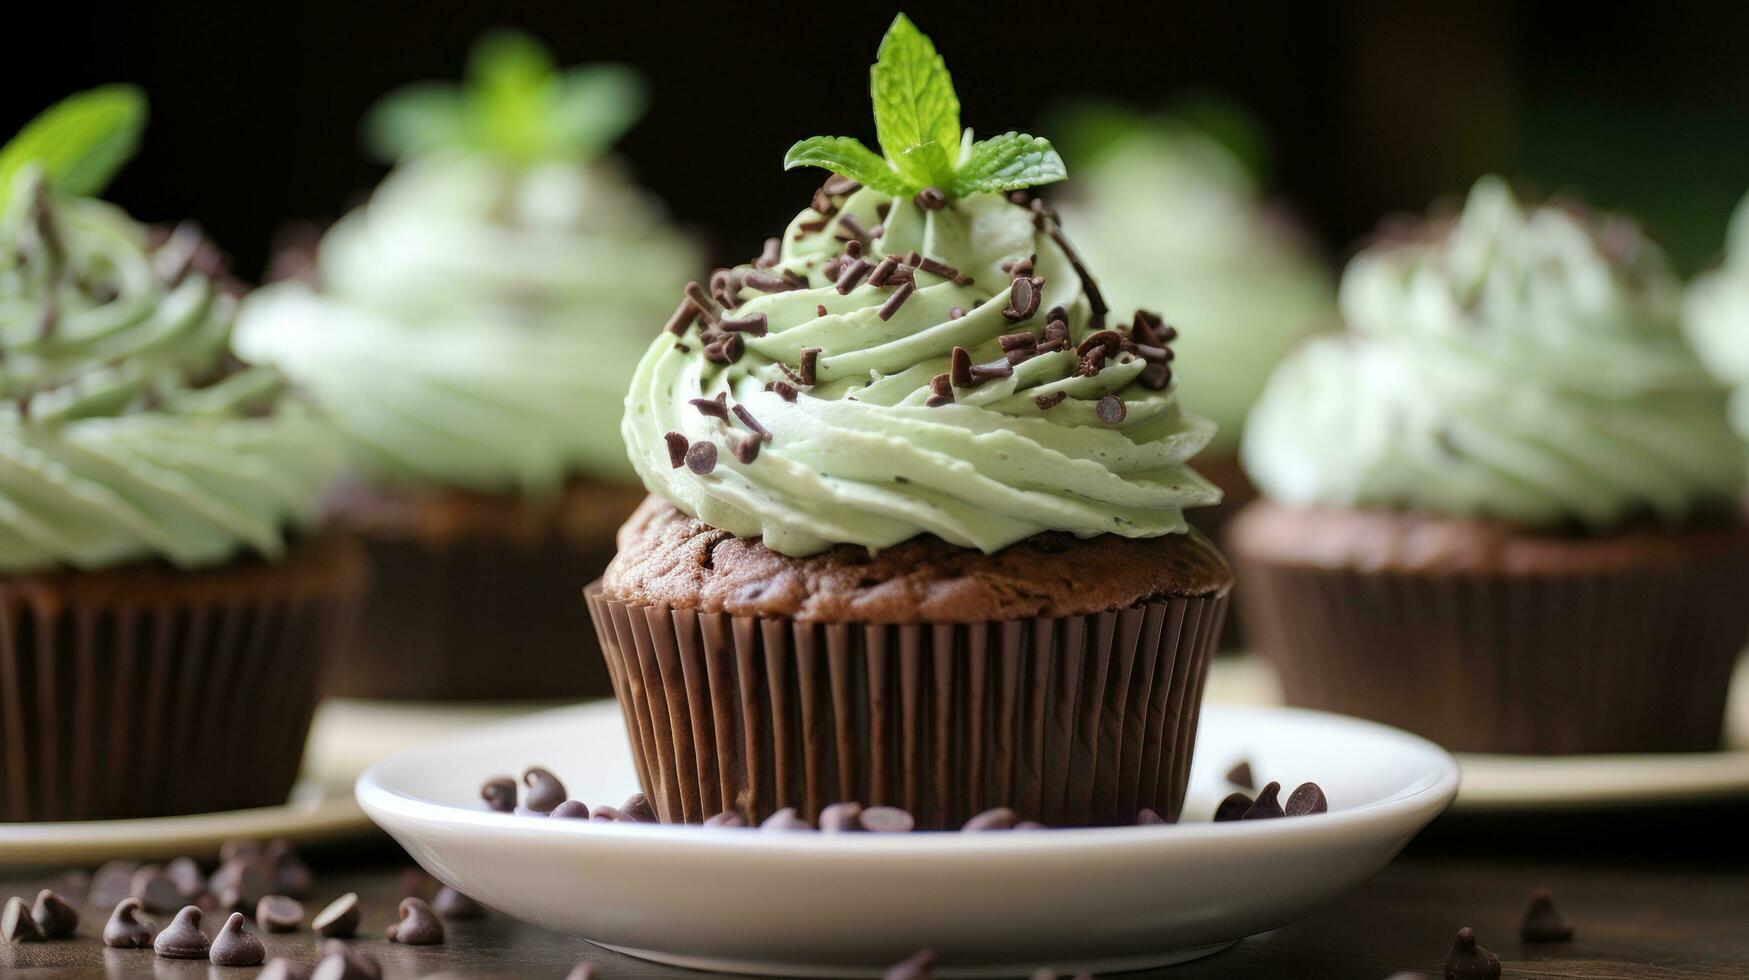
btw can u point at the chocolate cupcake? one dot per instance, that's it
(916, 534)
(470, 329)
(1499, 511)
(165, 603)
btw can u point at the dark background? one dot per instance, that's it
(1371, 107)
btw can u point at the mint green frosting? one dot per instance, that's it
(860, 457)
(1717, 317)
(1174, 222)
(1521, 364)
(477, 320)
(128, 431)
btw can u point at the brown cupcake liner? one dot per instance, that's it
(1619, 660)
(146, 691)
(1072, 720)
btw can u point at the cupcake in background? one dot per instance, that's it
(1499, 510)
(471, 330)
(916, 533)
(1716, 316)
(1169, 209)
(166, 602)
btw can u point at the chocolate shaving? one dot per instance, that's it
(936, 267)
(684, 317)
(716, 408)
(768, 256)
(756, 325)
(810, 363)
(707, 307)
(1024, 294)
(1091, 288)
(677, 447)
(823, 203)
(1018, 267)
(1092, 363)
(790, 373)
(991, 370)
(765, 282)
(783, 389)
(960, 368)
(941, 391)
(1110, 340)
(838, 185)
(1050, 401)
(750, 422)
(725, 350)
(900, 295)
(702, 458)
(812, 225)
(726, 288)
(1056, 337)
(1111, 410)
(1017, 341)
(852, 274)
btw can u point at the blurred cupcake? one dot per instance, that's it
(1716, 316)
(470, 329)
(916, 534)
(1498, 511)
(1173, 219)
(164, 605)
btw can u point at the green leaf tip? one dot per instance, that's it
(515, 104)
(917, 122)
(80, 143)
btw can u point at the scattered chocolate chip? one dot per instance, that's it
(279, 913)
(1017, 341)
(156, 892)
(238, 883)
(637, 807)
(291, 876)
(1468, 961)
(416, 882)
(1306, 799)
(124, 930)
(810, 363)
(281, 968)
(16, 924)
(784, 390)
(1109, 340)
(756, 325)
(185, 874)
(606, 814)
(701, 458)
(677, 446)
(1149, 817)
(823, 203)
(1024, 295)
(887, 820)
(931, 199)
(921, 966)
(1056, 336)
(685, 315)
(341, 962)
(339, 920)
(570, 810)
(1050, 401)
(544, 789)
(996, 818)
(234, 947)
(1232, 808)
(182, 938)
(785, 820)
(499, 792)
(452, 904)
(1266, 806)
(55, 917)
(113, 882)
(1240, 775)
(900, 295)
(840, 818)
(728, 818)
(1542, 923)
(1111, 410)
(419, 926)
(582, 971)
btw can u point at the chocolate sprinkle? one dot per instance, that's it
(991, 370)
(849, 226)
(1468, 961)
(716, 408)
(936, 267)
(726, 349)
(684, 317)
(750, 422)
(931, 199)
(677, 446)
(810, 360)
(765, 282)
(1306, 799)
(1017, 341)
(702, 458)
(1542, 923)
(783, 389)
(820, 309)
(1050, 401)
(900, 295)
(1024, 295)
(884, 271)
(756, 325)
(1111, 410)
(701, 301)
(852, 275)
(726, 288)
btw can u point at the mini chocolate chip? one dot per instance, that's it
(1240, 775)
(339, 920)
(1306, 799)
(1468, 961)
(1232, 808)
(234, 947)
(1149, 817)
(571, 810)
(452, 904)
(182, 938)
(1542, 923)
(1111, 410)
(111, 883)
(728, 818)
(291, 876)
(279, 913)
(887, 820)
(921, 966)
(16, 924)
(281, 968)
(185, 874)
(839, 818)
(156, 892)
(995, 818)
(341, 962)
(638, 808)
(785, 820)
(606, 814)
(582, 971)
(1266, 806)
(124, 930)
(54, 916)
(701, 458)
(544, 790)
(238, 883)
(677, 446)
(499, 792)
(419, 926)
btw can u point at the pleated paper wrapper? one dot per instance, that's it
(151, 692)
(1079, 720)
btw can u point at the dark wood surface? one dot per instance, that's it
(1654, 893)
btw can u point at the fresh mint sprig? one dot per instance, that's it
(79, 143)
(516, 103)
(917, 120)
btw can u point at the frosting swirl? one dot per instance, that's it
(128, 430)
(941, 370)
(1716, 316)
(1173, 222)
(471, 313)
(1525, 365)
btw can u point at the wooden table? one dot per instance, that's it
(1654, 893)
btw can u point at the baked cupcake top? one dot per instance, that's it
(1716, 316)
(128, 429)
(1522, 364)
(918, 353)
(499, 285)
(1174, 221)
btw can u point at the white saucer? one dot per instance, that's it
(847, 905)
(1512, 783)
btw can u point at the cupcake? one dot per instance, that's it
(470, 330)
(916, 533)
(1498, 511)
(166, 602)
(1174, 220)
(1716, 316)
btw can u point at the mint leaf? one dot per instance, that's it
(1007, 163)
(847, 157)
(414, 119)
(80, 142)
(509, 94)
(917, 113)
(593, 107)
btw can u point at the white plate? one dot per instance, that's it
(847, 905)
(1506, 783)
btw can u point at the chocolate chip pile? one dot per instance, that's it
(1306, 799)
